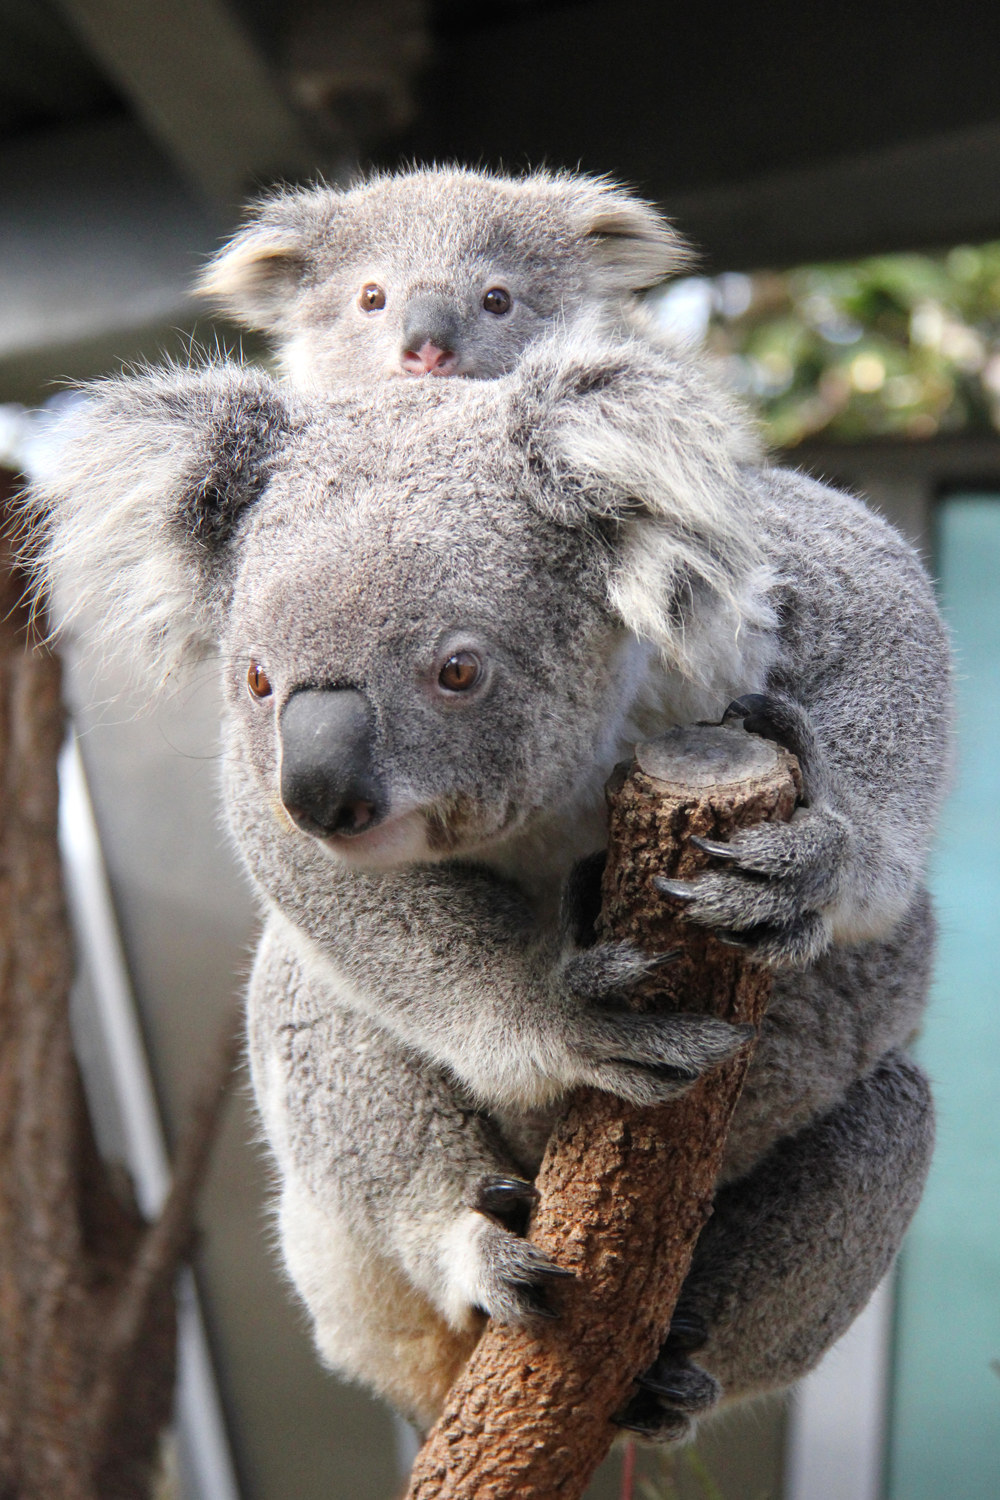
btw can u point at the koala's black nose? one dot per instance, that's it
(328, 782)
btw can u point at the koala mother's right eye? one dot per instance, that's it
(461, 672)
(258, 681)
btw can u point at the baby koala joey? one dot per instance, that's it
(438, 271)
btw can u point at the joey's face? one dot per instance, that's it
(410, 287)
(436, 271)
(402, 693)
(387, 316)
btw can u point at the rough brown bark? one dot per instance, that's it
(624, 1192)
(87, 1327)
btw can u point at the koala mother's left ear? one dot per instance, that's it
(142, 484)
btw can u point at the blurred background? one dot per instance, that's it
(838, 169)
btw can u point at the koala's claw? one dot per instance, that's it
(677, 890)
(606, 973)
(714, 847)
(504, 1197)
(670, 1394)
(773, 719)
(688, 1332)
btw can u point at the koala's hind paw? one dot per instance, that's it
(671, 1394)
(770, 894)
(504, 1276)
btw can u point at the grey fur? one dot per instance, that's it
(598, 527)
(436, 240)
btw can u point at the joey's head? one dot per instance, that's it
(434, 610)
(437, 271)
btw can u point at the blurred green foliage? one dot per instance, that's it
(904, 345)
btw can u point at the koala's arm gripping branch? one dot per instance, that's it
(624, 1192)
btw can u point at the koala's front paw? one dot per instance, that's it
(776, 882)
(491, 1268)
(643, 1058)
(673, 1391)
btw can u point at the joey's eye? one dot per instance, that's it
(497, 301)
(460, 672)
(372, 297)
(257, 681)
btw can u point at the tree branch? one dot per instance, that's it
(624, 1192)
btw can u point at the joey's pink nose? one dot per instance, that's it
(428, 360)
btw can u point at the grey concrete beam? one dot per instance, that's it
(99, 243)
(935, 192)
(198, 83)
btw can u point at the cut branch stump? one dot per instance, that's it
(623, 1192)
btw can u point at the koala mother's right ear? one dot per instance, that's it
(139, 488)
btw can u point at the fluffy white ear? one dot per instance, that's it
(642, 442)
(634, 246)
(138, 489)
(255, 277)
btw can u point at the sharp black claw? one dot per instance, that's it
(744, 707)
(677, 890)
(731, 939)
(663, 959)
(554, 1273)
(643, 1429)
(498, 1195)
(687, 1332)
(506, 1199)
(713, 847)
(537, 1304)
(667, 1389)
(770, 718)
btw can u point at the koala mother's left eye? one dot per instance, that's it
(460, 672)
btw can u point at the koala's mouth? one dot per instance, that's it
(380, 844)
(413, 835)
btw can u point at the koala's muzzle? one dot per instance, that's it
(431, 332)
(328, 782)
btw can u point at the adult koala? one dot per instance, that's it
(444, 610)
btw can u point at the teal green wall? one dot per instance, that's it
(945, 1437)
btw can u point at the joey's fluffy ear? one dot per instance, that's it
(642, 442)
(255, 277)
(634, 246)
(138, 489)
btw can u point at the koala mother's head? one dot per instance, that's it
(435, 609)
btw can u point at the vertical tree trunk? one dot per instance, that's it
(624, 1192)
(81, 1410)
